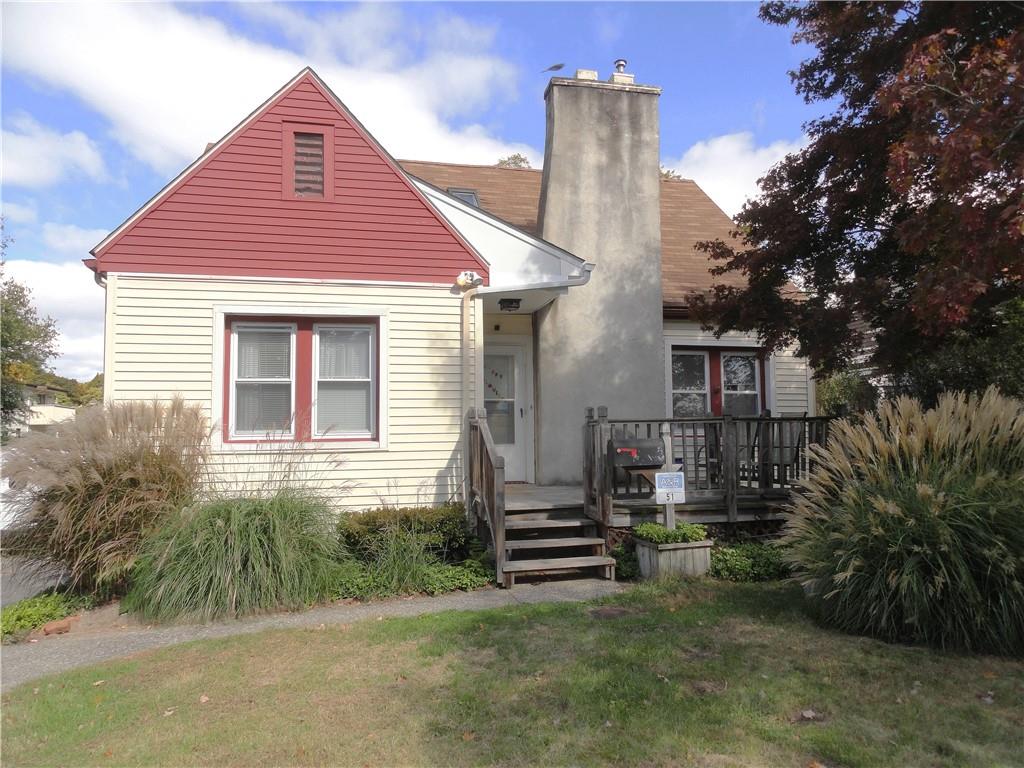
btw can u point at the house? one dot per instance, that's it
(319, 298)
(45, 412)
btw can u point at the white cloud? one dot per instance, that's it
(37, 156)
(728, 167)
(67, 292)
(115, 58)
(15, 213)
(69, 239)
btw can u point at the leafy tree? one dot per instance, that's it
(973, 357)
(27, 341)
(846, 393)
(906, 208)
(91, 391)
(516, 160)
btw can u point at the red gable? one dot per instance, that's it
(236, 210)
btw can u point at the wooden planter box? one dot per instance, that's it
(658, 560)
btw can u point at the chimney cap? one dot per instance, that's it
(620, 65)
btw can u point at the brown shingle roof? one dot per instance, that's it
(687, 216)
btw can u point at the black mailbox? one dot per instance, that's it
(634, 453)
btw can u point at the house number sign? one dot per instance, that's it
(670, 488)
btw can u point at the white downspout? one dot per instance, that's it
(470, 282)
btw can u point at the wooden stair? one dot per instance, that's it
(540, 542)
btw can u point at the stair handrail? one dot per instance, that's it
(487, 484)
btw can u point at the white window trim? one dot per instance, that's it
(270, 311)
(757, 377)
(672, 349)
(249, 325)
(372, 380)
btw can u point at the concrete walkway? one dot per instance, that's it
(26, 661)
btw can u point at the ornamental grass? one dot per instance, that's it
(910, 526)
(83, 499)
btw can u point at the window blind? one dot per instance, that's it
(263, 380)
(345, 380)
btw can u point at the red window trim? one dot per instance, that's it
(303, 395)
(715, 369)
(288, 131)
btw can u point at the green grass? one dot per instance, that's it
(686, 674)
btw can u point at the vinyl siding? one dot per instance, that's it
(234, 212)
(160, 340)
(794, 387)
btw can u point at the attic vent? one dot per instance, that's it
(309, 165)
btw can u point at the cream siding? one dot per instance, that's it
(161, 341)
(788, 377)
(793, 385)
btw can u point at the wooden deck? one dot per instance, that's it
(736, 468)
(527, 497)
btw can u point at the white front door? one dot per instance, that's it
(509, 403)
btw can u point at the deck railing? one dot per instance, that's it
(724, 458)
(487, 485)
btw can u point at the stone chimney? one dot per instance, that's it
(602, 343)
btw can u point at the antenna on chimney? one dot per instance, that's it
(620, 65)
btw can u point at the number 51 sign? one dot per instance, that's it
(670, 488)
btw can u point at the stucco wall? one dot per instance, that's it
(161, 340)
(600, 344)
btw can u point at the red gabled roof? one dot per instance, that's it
(688, 215)
(227, 213)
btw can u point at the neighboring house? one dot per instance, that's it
(45, 414)
(321, 299)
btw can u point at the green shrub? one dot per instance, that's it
(627, 567)
(910, 527)
(399, 559)
(398, 562)
(25, 615)
(683, 533)
(443, 530)
(352, 579)
(467, 576)
(233, 557)
(85, 500)
(846, 393)
(749, 561)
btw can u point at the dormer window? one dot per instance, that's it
(309, 165)
(465, 195)
(308, 155)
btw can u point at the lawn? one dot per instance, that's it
(685, 674)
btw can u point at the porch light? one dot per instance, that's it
(509, 305)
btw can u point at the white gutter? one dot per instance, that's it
(581, 279)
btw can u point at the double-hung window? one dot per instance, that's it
(741, 393)
(304, 379)
(690, 390)
(345, 386)
(263, 379)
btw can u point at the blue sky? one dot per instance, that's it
(103, 104)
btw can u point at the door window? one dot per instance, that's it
(500, 397)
